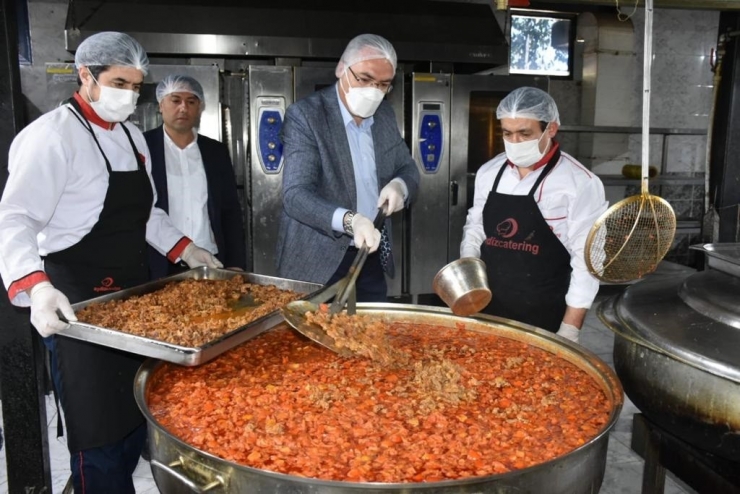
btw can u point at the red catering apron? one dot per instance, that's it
(527, 265)
(96, 383)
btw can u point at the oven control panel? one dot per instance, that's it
(269, 124)
(430, 136)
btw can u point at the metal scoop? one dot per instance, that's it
(343, 292)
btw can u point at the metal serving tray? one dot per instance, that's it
(188, 356)
(723, 257)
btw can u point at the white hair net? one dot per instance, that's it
(529, 102)
(175, 83)
(366, 47)
(112, 48)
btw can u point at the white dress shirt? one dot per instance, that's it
(55, 191)
(187, 192)
(570, 198)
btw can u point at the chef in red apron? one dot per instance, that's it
(76, 214)
(532, 210)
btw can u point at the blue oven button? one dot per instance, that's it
(430, 141)
(270, 147)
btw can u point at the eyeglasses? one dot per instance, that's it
(367, 82)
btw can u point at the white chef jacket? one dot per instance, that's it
(570, 198)
(55, 192)
(187, 192)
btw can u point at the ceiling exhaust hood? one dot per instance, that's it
(421, 30)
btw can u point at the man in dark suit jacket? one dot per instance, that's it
(344, 158)
(194, 178)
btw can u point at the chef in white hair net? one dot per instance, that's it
(345, 158)
(76, 214)
(533, 208)
(194, 179)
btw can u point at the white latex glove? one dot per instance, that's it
(45, 301)
(392, 193)
(195, 257)
(569, 332)
(365, 232)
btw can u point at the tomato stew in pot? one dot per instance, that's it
(464, 404)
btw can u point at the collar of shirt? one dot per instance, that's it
(347, 116)
(537, 168)
(90, 114)
(172, 144)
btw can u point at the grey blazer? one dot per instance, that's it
(318, 177)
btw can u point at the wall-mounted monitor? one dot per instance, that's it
(542, 43)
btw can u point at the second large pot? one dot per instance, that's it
(676, 354)
(179, 467)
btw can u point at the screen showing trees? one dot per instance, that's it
(541, 45)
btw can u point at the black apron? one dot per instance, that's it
(528, 267)
(97, 382)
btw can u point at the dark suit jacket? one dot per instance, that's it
(318, 177)
(224, 210)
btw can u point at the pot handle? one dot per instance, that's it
(218, 480)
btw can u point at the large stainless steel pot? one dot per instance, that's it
(677, 350)
(179, 467)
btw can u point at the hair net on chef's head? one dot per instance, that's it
(366, 47)
(175, 83)
(112, 48)
(529, 102)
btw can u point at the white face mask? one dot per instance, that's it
(527, 153)
(363, 101)
(113, 105)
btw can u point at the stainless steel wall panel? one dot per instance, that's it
(430, 144)
(308, 80)
(270, 93)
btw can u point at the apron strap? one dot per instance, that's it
(137, 155)
(79, 115)
(498, 176)
(550, 165)
(85, 123)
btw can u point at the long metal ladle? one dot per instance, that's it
(343, 292)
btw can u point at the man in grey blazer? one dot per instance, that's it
(344, 158)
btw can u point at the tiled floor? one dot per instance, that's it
(623, 471)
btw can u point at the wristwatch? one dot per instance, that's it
(347, 222)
